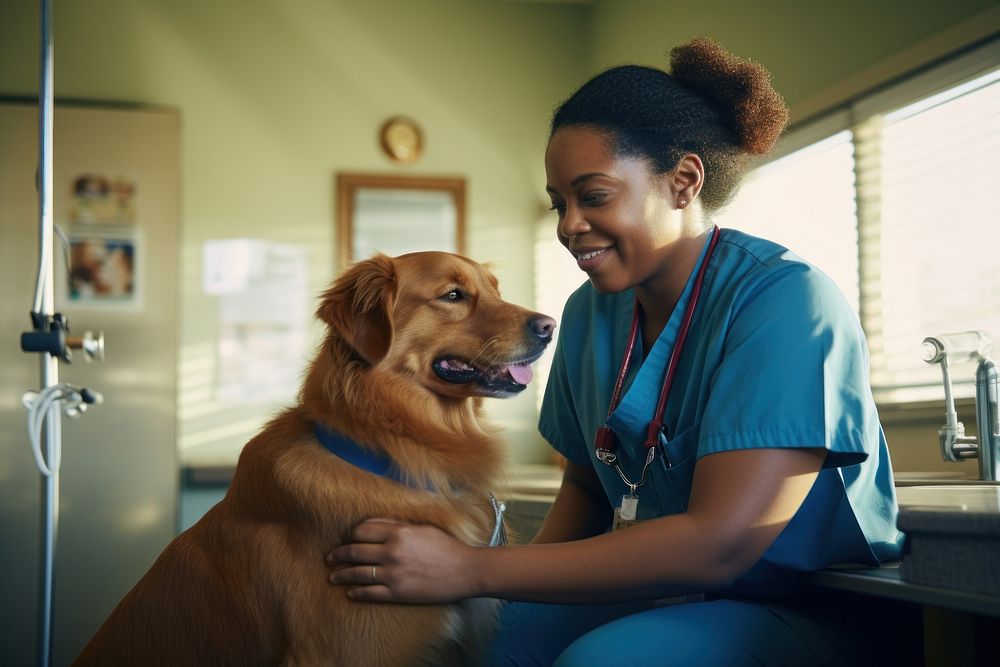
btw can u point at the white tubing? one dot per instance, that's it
(40, 406)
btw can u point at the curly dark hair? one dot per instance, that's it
(713, 104)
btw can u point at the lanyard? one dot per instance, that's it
(605, 443)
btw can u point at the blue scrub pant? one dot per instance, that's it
(717, 633)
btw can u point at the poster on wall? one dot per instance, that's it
(101, 199)
(103, 269)
(102, 243)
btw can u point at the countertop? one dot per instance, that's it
(886, 582)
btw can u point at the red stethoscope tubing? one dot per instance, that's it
(604, 440)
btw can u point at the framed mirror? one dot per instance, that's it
(397, 214)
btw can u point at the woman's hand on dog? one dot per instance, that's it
(404, 562)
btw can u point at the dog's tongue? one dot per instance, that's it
(521, 373)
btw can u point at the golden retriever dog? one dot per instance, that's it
(413, 345)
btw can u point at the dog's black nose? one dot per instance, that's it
(542, 326)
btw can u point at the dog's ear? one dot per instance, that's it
(359, 306)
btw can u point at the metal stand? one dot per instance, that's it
(48, 339)
(49, 361)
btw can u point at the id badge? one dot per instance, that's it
(625, 513)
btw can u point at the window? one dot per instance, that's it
(894, 198)
(556, 277)
(936, 265)
(805, 202)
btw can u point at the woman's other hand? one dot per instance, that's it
(393, 561)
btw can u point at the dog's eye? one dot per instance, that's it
(453, 295)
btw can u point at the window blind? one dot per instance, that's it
(805, 201)
(927, 178)
(556, 277)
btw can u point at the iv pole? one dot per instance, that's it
(49, 338)
(43, 310)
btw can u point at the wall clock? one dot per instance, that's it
(401, 139)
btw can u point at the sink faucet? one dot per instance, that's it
(955, 445)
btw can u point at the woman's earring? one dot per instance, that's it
(682, 202)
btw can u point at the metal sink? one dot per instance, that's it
(972, 496)
(937, 478)
(953, 535)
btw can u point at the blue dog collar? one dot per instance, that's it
(344, 448)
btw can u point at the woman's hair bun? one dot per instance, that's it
(741, 87)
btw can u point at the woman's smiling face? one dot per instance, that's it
(616, 217)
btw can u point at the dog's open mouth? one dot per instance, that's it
(502, 379)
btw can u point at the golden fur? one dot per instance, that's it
(248, 584)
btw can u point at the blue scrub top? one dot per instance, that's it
(775, 357)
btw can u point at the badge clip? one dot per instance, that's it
(626, 512)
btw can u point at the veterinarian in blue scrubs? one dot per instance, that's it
(709, 391)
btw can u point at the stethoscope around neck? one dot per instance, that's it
(605, 442)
